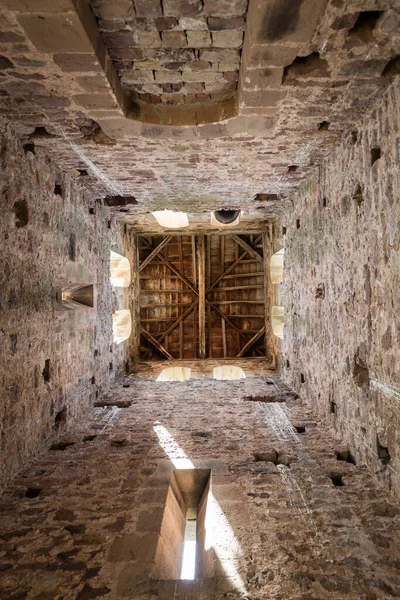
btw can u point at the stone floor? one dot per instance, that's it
(294, 522)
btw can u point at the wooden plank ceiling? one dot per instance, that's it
(201, 296)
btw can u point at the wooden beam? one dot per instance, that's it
(201, 271)
(239, 302)
(224, 337)
(248, 248)
(227, 320)
(179, 275)
(236, 287)
(176, 323)
(224, 275)
(155, 252)
(155, 343)
(250, 343)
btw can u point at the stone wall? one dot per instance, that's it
(286, 519)
(342, 290)
(54, 362)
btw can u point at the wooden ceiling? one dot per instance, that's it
(202, 296)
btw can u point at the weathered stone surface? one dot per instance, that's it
(47, 351)
(282, 530)
(351, 214)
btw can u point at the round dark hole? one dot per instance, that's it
(226, 216)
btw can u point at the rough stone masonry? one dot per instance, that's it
(289, 111)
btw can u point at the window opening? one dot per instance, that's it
(77, 296)
(276, 266)
(278, 321)
(171, 219)
(228, 373)
(174, 374)
(188, 568)
(122, 325)
(120, 270)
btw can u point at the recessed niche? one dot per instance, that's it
(77, 296)
(29, 147)
(324, 126)
(32, 492)
(320, 291)
(392, 68)
(300, 428)
(365, 25)
(332, 408)
(41, 132)
(21, 212)
(337, 479)
(383, 452)
(297, 223)
(60, 418)
(58, 189)
(46, 370)
(375, 155)
(346, 456)
(292, 168)
(302, 378)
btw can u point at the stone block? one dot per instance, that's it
(148, 8)
(228, 66)
(120, 128)
(174, 55)
(270, 55)
(39, 6)
(193, 24)
(73, 62)
(93, 83)
(194, 88)
(97, 101)
(225, 8)
(123, 548)
(112, 10)
(261, 98)
(132, 579)
(203, 76)
(216, 55)
(198, 39)
(197, 65)
(148, 39)
(261, 79)
(168, 77)
(174, 39)
(182, 8)
(56, 33)
(227, 39)
(225, 24)
(112, 24)
(120, 39)
(173, 99)
(138, 76)
(166, 23)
